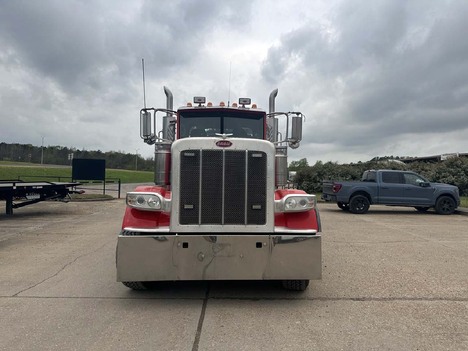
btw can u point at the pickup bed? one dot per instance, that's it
(393, 188)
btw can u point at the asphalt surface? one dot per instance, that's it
(393, 279)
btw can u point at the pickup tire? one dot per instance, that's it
(445, 205)
(359, 204)
(135, 285)
(296, 285)
(343, 206)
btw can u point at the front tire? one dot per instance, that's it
(359, 204)
(445, 205)
(296, 285)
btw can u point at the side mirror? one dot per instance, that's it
(296, 131)
(424, 184)
(145, 124)
(171, 130)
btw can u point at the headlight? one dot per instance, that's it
(146, 201)
(296, 203)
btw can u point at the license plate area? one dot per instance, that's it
(221, 257)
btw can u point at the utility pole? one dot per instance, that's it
(136, 159)
(42, 151)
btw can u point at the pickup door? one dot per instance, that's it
(418, 190)
(404, 188)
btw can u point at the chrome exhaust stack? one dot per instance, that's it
(272, 121)
(162, 149)
(281, 154)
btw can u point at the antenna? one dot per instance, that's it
(144, 89)
(229, 93)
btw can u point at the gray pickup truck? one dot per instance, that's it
(393, 188)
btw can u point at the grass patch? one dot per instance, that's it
(130, 176)
(34, 172)
(90, 197)
(464, 201)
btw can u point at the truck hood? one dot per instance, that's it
(444, 185)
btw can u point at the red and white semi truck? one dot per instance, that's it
(221, 207)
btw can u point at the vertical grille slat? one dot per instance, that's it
(212, 184)
(234, 188)
(190, 187)
(256, 200)
(204, 174)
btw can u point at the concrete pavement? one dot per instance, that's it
(393, 279)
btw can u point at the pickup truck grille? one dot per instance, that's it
(223, 187)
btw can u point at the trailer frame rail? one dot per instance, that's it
(18, 193)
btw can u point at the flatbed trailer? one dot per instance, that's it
(18, 193)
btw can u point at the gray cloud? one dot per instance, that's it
(82, 45)
(54, 38)
(402, 68)
(371, 77)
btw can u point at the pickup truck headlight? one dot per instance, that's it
(296, 203)
(147, 201)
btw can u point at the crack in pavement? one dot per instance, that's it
(196, 342)
(251, 298)
(62, 269)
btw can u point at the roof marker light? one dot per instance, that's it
(222, 104)
(209, 104)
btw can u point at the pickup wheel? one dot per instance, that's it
(359, 204)
(135, 285)
(445, 205)
(343, 206)
(421, 209)
(296, 285)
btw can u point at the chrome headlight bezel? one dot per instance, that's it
(296, 203)
(147, 201)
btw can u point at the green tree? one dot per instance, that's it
(298, 165)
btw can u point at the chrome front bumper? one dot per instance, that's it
(160, 256)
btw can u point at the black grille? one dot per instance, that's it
(212, 180)
(190, 187)
(223, 187)
(256, 180)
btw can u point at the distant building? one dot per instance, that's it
(433, 159)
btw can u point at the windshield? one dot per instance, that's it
(208, 123)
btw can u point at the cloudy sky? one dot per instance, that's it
(373, 77)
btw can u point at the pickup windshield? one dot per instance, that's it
(208, 123)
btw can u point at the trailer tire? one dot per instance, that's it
(359, 204)
(135, 285)
(445, 205)
(344, 206)
(296, 285)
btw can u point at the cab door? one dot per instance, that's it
(417, 190)
(391, 188)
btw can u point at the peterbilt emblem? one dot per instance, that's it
(223, 143)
